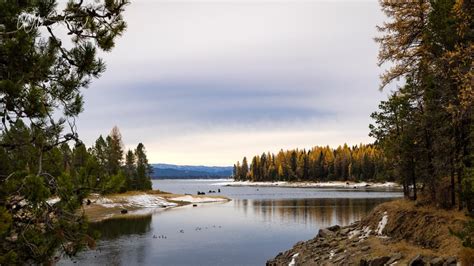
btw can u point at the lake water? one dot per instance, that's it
(255, 226)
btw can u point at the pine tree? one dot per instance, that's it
(144, 170)
(131, 170)
(41, 80)
(114, 151)
(244, 171)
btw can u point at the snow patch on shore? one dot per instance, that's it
(331, 184)
(293, 259)
(138, 201)
(192, 199)
(382, 223)
(354, 233)
(331, 254)
(366, 230)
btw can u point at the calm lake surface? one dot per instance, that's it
(255, 226)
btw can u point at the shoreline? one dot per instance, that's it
(305, 184)
(394, 233)
(138, 203)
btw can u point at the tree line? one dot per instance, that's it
(357, 163)
(425, 126)
(100, 168)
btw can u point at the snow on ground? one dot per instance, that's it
(149, 201)
(139, 201)
(354, 233)
(192, 199)
(53, 201)
(366, 230)
(382, 223)
(331, 184)
(249, 183)
(293, 260)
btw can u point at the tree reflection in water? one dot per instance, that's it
(320, 212)
(118, 227)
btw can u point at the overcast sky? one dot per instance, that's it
(202, 82)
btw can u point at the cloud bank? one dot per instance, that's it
(203, 82)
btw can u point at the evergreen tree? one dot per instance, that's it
(114, 151)
(40, 82)
(244, 170)
(131, 170)
(144, 170)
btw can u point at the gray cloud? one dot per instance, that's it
(208, 82)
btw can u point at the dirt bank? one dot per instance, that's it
(395, 233)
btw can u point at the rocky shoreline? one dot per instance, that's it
(375, 241)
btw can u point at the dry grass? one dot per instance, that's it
(383, 247)
(417, 229)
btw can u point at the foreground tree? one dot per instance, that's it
(40, 96)
(425, 128)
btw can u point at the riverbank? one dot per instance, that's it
(329, 184)
(101, 207)
(394, 233)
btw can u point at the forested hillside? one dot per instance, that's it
(172, 171)
(358, 163)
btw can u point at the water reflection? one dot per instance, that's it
(117, 227)
(320, 212)
(256, 225)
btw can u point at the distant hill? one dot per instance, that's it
(161, 171)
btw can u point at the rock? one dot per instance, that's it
(365, 248)
(338, 259)
(124, 211)
(395, 257)
(339, 250)
(451, 261)
(324, 245)
(380, 261)
(436, 262)
(334, 228)
(324, 233)
(344, 231)
(417, 261)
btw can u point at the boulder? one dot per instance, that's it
(395, 257)
(380, 261)
(344, 231)
(334, 228)
(417, 261)
(437, 262)
(451, 261)
(324, 233)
